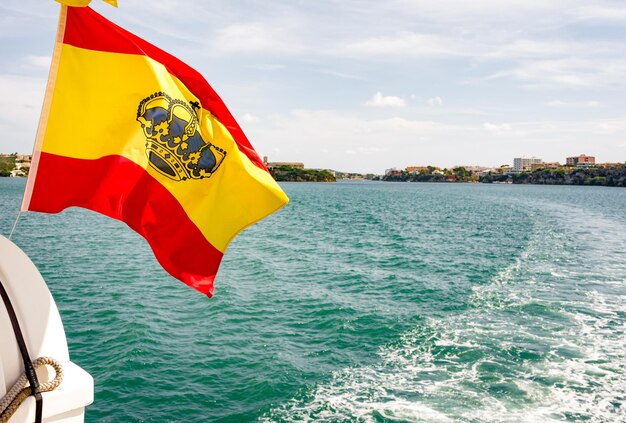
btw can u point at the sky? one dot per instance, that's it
(364, 86)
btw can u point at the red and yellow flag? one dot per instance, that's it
(129, 131)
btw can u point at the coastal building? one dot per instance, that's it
(22, 165)
(546, 165)
(392, 171)
(15, 173)
(23, 158)
(489, 170)
(524, 164)
(417, 169)
(475, 170)
(351, 176)
(581, 161)
(19, 157)
(297, 165)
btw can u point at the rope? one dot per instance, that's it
(15, 224)
(20, 391)
(29, 368)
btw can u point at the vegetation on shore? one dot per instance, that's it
(292, 174)
(603, 176)
(432, 174)
(7, 164)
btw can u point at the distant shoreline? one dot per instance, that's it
(591, 176)
(493, 183)
(613, 176)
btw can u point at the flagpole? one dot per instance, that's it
(45, 109)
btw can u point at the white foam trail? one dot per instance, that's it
(545, 341)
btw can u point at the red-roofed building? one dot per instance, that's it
(581, 161)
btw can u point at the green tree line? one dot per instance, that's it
(292, 174)
(7, 164)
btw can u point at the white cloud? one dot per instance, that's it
(454, 10)
(268, 66)
(601, 13)
(37, 62)
(573, 104)
(256, 38)
(487, 57)
(380, 100)
(576, 71)
(405, 44)
(21, 98)
(497, 129)
(365, 151)
(342, 75)
(248, 118)
(343, 140)
(434, 101)
(533, 49)
(20, 106)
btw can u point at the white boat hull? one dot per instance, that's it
(44, 335)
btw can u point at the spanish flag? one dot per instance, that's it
(129, 131)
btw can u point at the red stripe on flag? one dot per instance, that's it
(87, 29)
(119, 188)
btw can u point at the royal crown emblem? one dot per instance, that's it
(175, 147)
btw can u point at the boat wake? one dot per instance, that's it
(542, 340)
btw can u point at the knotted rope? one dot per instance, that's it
(21, 390)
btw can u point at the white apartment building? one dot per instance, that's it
(524, 164)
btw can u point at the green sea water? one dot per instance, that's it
(359, 301)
